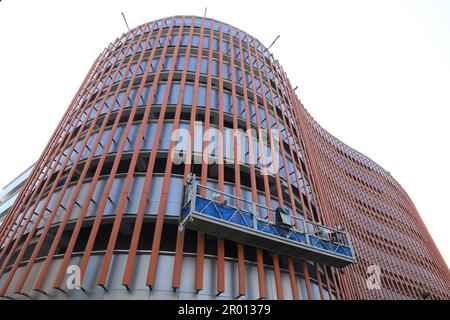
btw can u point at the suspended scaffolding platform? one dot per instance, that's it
(229, 217)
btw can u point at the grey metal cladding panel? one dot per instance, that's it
(138, 282)
(28, 287)
(10, 291)
(164, 273)
(162, 288)
(120, 294)
(92, 273)
(51, 275)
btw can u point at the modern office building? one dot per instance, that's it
(187, 168)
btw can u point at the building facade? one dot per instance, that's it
(10, 192)
(186, 100)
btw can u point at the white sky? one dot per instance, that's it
(376, 74)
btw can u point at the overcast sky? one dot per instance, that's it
(376, 74)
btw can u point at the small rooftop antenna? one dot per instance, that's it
(124, 19)
(206, 10)
(272, 43)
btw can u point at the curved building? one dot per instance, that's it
(187, 165)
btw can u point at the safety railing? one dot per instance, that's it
(224, 210)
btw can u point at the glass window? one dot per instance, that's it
(167, 63)
(273, 122)
(293, 179)
(245, 148)
(188, 95)
(262, 117)
(198, 137)
(107, 104)
(161, 42)
(227, 105)
(164, 141)
(208, 24)
(180, 63)
(154, 195)
(133, 46)
(206, 42)
(255, 64)
(185, 40)
(144, 96)
(250, 41)
(173, 40)
(142, 67)
(226, 47)
(266, 91)
(214, 99)
(159, 95)
(302, 186)
(256, 151)
(121, 54)
(204, 66)
(270, 74)
(215, 68)
(114, 195)
(131, 98)
(90, 145)
(154, 64)
(134, 195)
(259, 48)
(238, 75)
(141, 46)
(201, 101)
(215, 44)
(258, 86)
(132, 136)
(152, 42)
(240, 107)
(225, 28)
(237, 53)
(195, 40)
(119, 100)
(198, 22)
(116, 139)
(249, 81)
(277, 100)
(228, 143)
(178, 21)
(213, 144)
(174, 202)
(252, 110)
(173, 96)
(183, 137)
(245, 53)
(120, 74)
(107, 83)
(150, 132)
(226, 71)
(192, 64)
(92, 115)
